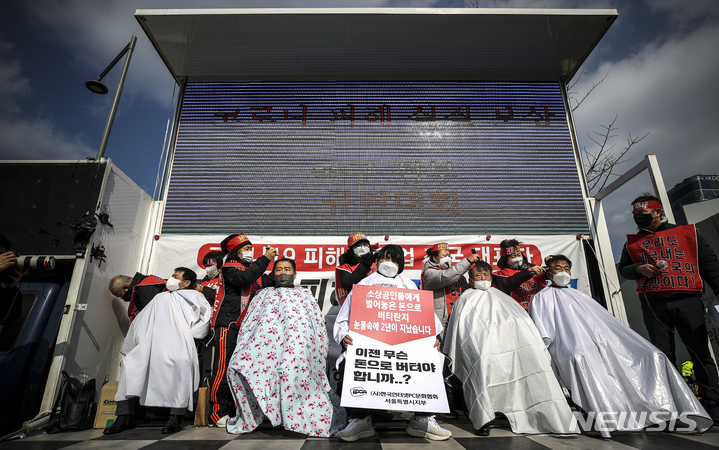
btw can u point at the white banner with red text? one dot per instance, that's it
(317, 256)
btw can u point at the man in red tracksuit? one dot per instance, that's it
(239, 277)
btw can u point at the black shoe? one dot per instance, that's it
(451, 415)
(172, 425)
(122, 423)
(712, 409)
(484, 431)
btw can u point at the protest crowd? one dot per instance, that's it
(519, 342)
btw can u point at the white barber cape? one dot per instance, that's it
(608, 367)
(497, 353)
(160, 364)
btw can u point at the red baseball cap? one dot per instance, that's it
(356, 237)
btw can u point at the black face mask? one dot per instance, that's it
(643, 220)
(284, 280)
(127, 296)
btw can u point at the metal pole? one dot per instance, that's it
(597, 226)
(605, 256)
(659, 188)
(115, 101)
(624, 178)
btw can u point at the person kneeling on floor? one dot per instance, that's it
(278, 369)
(498, 354)
(606, 365)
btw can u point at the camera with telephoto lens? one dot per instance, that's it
(39, 263)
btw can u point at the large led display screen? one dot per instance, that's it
(411, 158)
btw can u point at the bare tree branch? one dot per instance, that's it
(594, 86)
(574, 83)
(600, 164)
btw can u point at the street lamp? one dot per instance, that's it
(97, 87)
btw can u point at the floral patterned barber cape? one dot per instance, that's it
(278, 367)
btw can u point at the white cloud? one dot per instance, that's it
(94, 32)
(668, 90)
(686, 11)
(38, 139)
(28, 138)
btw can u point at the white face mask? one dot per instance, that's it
(361, 250)
(388, 269)
(211, 271)
(561, 279)
(445, 262)
(514, 261)
(173, 284)
(247, 256)
(482, 285)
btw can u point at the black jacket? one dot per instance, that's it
(509, 284)
(349, 279)
(708, 266)
(144, 293)
(236, 279)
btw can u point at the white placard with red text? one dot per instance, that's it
(317, 256)
(391, 363)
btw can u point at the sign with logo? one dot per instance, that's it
(392, 363)
(105, 415)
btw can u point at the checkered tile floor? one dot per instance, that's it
(391, 436)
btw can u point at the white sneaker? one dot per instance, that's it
(357, 429)
(427, 427)
(222, 422)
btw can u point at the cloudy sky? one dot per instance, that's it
(659, 55)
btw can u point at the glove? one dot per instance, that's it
(368, 259)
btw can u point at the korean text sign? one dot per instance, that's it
(392, 363)
(677, 248)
